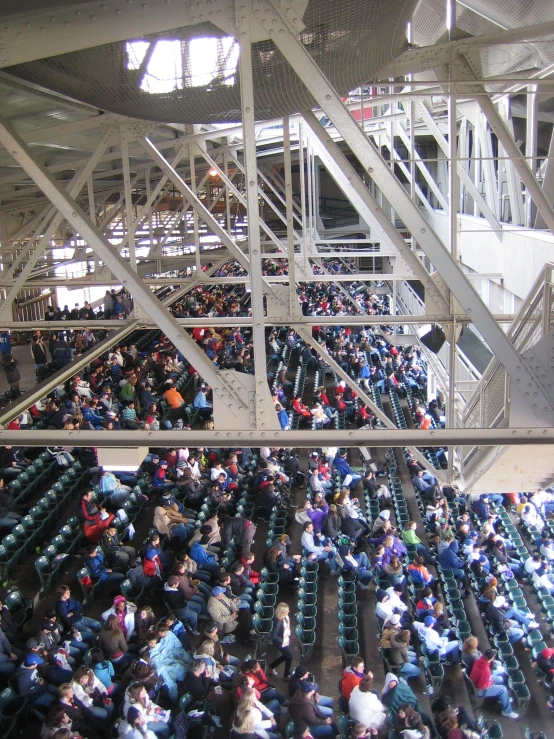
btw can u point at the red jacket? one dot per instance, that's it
(349, 682)
(481, 673)
(260, 680)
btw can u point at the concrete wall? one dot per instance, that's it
(519, 257)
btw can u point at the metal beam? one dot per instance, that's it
(193, 200)
(306, 439)
(369, 320)
(142, 296)
(46, 32)
(363, 201)
(463, 174)
(281, 26)
(462, 69)
(253, 213)
(41, 390)
(77, 184)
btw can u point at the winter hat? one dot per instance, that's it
(385, 515)
(33, 659)
(132, 715)
(381, 595)
(394, 619)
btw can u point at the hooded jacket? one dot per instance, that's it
(397, 696)
(396, 650)
(493, 615)
(480, 674)
(449, 559)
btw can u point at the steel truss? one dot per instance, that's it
(168, 205)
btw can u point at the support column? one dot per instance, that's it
(294, 306)
(253, 213)
(129, 221)
(531, 148)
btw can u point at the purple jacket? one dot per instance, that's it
(316, 516)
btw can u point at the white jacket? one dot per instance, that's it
(367, 709)
(126, 731)
(81, 694)
(129, 619)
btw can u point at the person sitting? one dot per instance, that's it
(92, 694)
(303, 708)
(224, 612)
(113, 643)
(197, 681)
(187, 612)
(118, 556)
(503, 620)
(489, 685)
(69, 611)
(396, 693)
(436, 643)
(395, 642)
(169, 522)
(322, 551)
(94, 562)
(33, 687)
(95, 519)
(205, 559)
(352, 676)
(365, 707)
(449, 560)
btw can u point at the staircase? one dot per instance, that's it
(506, 469)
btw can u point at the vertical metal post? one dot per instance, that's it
(531, 149)
(228, 194)
(92, 214)
(194, 213)
(452, 173)
(304, 247)
(293, 302)
(252, 203)
(129, 220)
(310, 190)
(148, 194)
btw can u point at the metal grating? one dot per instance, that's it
(350, 40)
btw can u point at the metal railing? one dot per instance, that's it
(488, 406)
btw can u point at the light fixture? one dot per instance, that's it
(213, 172)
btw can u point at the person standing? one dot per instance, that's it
(38, 350)
(280, 638)
(108, 305)
(9, 364)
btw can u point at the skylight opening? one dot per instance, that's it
(173, 64)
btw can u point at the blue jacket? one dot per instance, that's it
(200, 555)
(342, 466)
(63, 607)
(449, 559)
(96, 567)
(283, 417)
